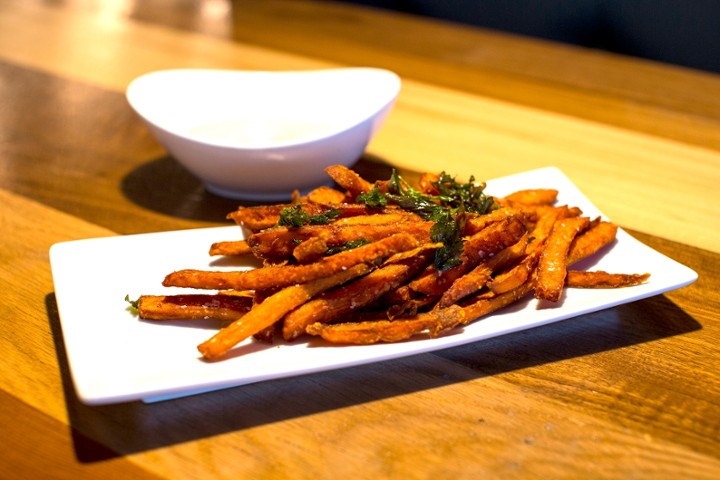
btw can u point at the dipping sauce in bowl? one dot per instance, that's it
(261, 135)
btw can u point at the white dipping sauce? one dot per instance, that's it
(257, 132)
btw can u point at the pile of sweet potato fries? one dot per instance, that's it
(384, 261)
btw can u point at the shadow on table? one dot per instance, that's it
(103, 432)
(164, 186)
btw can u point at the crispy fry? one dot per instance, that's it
(477, 278)
(193, 307)
(365, 333)
(479, 222)
(410, 307)
(230, 248)
(516, 276)
(545, 224)
(465, 285)
(310, 250)
(352, 296)
(281, 276)
(538, 196)
(262, 217)
(601, 279)
(486, 305)
(425, 184)
(552, 265)
(387, 217)
(272, 309)
(349, 180)
(483, 244)
(259, 217)
(404, 255)
(279, 243)
(326, 194)
(591, 241)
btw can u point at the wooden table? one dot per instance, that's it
(630, 392)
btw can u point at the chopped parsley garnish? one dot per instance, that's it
(296, 216)
(373, 198)
(448, 229)
(347, 246)
(133, 303)
(449, 210)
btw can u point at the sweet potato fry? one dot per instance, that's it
(465, 285)
(426, 181)
(259, 217)
(387, 217)
(366, 333)
(544, 225)
(279, 243)
(349, 180)
(538, 196)
(485, 305)
(552, 265)
(601, 279)
(230, 248)
(517, 275)
(352, 296)
(271, 310)
(193, 307)
(325, 194)
(310, 250)
(482, 245)
(282, 276)
(479, 222)
(477, 278)
(591, 241)
(404, 255)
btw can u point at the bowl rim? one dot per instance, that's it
(135, 93)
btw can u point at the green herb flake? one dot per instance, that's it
(373, 198)
(296, 216)
(347, 246)
(448, 210)
(325, 217)
(133, 303)
(448, 229)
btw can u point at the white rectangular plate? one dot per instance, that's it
(115, 357)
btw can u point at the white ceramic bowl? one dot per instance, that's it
(260, 135)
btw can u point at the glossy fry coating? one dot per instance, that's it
(516, 276)
(537, 196)
(310, 250)
(279, 243)
(325, 194)
(477, 278)
(388, 289)
(282, 276)
(272, 309)
(365, 333)
(552, 265)
(193, 307)
(349, 180)
(601, 279)
(482, 245)
(230, 248)
(352, 296)
(591, 241)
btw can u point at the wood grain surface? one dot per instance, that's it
(628, 392)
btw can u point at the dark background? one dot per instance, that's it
(680, 32)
